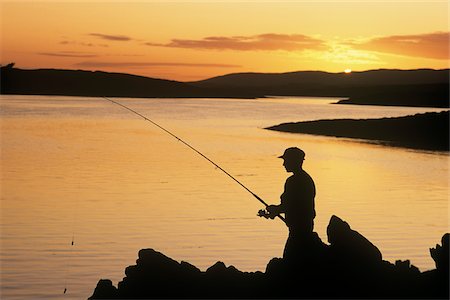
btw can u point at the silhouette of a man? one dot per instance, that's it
(297, 203)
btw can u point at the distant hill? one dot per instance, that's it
(97, 84)
(365, 78)
(429, 131)
(423, 87)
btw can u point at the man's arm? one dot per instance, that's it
(275, 210)
(272, 211)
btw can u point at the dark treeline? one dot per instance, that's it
(429, 131)
(422, 87)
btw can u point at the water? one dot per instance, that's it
(85, 169)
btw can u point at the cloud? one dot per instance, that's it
(67, 54)
(151, 64)
(267, 42)
(340, 54)
(67, 42)
(110, 37)
(430, 45)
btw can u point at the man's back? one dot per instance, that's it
(298, 201)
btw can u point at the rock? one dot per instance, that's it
(437, 281)
(187, 268)
(440, 254)
(150, 258)
(156, 275)
(276, 267)
(350, 267)
(349, 247)
(218, 268)
(105, 290)
(406, 267)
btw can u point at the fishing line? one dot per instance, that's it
(70, 251)
(69, 261)
(192, 148)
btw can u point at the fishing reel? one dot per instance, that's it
(264, 214)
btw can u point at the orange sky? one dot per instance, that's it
(190, 40)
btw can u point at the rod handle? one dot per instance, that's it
(266, 205)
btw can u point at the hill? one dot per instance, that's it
(98, 84)
(423, 87)
(429, 131)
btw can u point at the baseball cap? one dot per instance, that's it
(293, 153)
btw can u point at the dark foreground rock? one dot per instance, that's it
(349, 267)
(429, 131)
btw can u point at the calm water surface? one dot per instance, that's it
(85, 169)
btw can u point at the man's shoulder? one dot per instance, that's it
(307, 176)
(299, 177)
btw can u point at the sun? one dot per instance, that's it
(347, 71)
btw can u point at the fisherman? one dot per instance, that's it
(297, 203)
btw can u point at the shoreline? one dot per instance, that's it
(367, 102)
(428, 131)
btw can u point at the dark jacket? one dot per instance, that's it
(297, 201)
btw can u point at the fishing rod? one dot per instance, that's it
(198, 152)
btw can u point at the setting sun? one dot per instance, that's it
(347, 71)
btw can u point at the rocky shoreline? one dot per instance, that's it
(428, 131)
(350, 266)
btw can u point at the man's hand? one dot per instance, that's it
(273, 211)
(263, 213)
